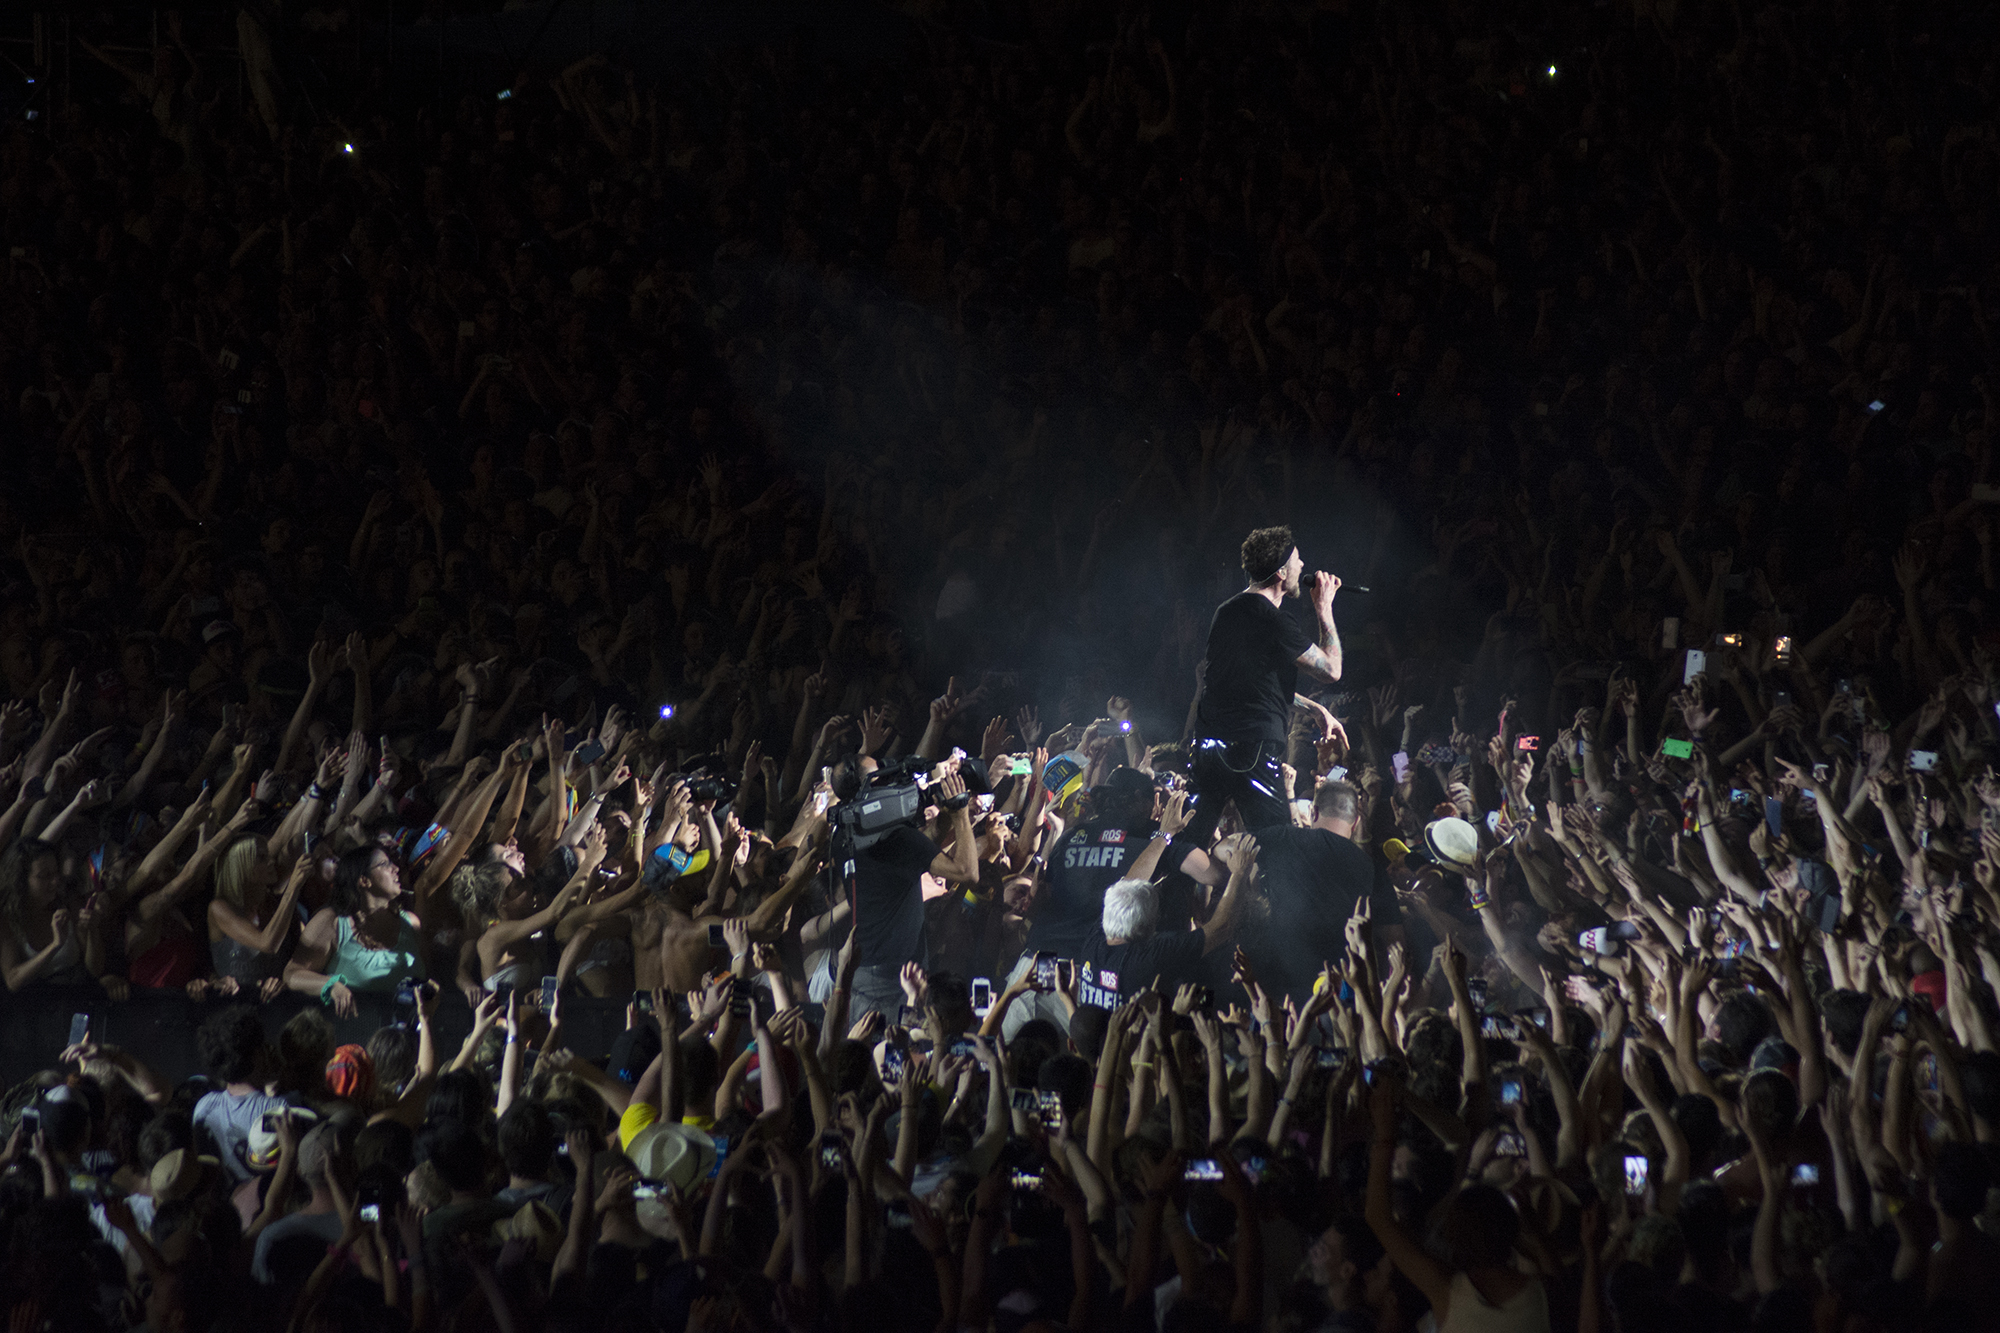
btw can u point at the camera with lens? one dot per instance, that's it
(706, 787)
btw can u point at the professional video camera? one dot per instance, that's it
(890, 798)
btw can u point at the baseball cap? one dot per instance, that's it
(263, 1147)
(1124, 781)
(1063, 777)
(217, 629)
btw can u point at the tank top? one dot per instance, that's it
(66, 967)
(173, 961)
(1527, 1312)
(367, 969)
(233, 958)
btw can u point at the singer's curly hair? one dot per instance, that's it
(1265, 552)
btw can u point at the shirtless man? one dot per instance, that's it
(670, 935)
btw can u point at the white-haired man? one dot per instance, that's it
(1127, 951)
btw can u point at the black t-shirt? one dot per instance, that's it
(1088, 859)
(889, 918)
(1253, 670)
(1312, 879)
(1110, 974)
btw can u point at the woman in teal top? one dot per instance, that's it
(358, 941)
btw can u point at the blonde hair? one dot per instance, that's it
(478, 889)
(232, 871)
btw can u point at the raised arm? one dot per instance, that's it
(1324, 659)
(1405, 1251)
(264, 939)
(159, 900)
(1221, 924)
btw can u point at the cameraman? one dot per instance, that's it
(889, 889)
(1115, 841)
(1249, 685)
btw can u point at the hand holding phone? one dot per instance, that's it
(1045, 971)
(1637, 1167)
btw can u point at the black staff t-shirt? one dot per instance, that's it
(1088, 859)
(1253, 670)
(1110, 974)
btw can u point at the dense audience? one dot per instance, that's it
(497, 552)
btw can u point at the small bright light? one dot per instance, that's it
(1552, 71)
(666, 711)
(506, 93)
(347, 148)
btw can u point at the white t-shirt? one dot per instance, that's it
(142, 1215)
(229, 1120)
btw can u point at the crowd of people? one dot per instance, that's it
(746, 545)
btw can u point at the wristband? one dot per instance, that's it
(315, 792)
(326, 989)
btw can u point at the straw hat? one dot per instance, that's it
(179, 1174)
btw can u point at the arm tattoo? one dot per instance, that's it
(1329, 643)
(1321, 663)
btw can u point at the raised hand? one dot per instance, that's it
(995, 740)
(1383, 700)
(875, 729)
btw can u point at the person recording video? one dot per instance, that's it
(889, 891)
(1249, 687)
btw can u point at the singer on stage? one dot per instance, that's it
(1255, 652)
